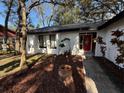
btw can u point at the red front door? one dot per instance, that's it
(87, 42)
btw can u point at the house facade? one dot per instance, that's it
(111, 53)
(82, 39)
(11, 38)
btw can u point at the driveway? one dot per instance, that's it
(102, 80)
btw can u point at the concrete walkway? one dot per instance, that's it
(103, 83)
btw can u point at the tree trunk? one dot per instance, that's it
(23, 32)
(17, 41)
(18, 30)
(6, 25)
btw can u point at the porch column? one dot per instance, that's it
(58, 38)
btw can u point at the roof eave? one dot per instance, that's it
(114, 19)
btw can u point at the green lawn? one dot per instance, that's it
(9, 60)
(11, 65)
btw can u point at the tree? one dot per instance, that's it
(10, 14)
(8, 4)
(23, 31)
(45, 19)
(88, 11)
(23, 15)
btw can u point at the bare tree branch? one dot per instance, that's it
(113, 11)
(39, 2)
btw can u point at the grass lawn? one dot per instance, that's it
(11, 65)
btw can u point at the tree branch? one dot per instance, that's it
(113, 11)
(36, 3)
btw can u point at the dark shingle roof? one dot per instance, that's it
(114, 19)
(10, 33)
(69, 27)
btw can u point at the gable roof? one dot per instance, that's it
(79, 26)
(10, 33)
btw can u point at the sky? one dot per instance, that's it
(2, 18)
(33, 15)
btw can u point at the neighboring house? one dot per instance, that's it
(11, 38)
(82, 38)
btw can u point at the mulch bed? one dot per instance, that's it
(42, 77)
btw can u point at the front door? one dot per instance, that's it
(87, 42)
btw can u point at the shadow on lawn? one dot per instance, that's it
(14, 64)
(44, 78)
(9, 66)
(11, 83)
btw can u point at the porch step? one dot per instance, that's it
(88, 54)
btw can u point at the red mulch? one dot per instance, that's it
(41, 78)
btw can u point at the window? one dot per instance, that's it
(42, 41)
(52, 41)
